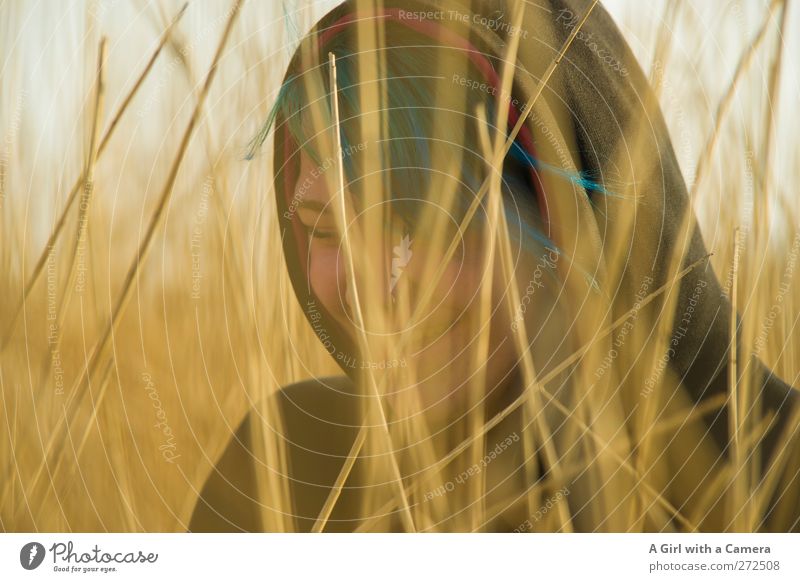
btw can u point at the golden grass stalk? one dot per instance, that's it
(724, 105)
(561, 367)
(145, 244)
(86, 197)
(770, 115)
(109, 132)
(427, 294)
(377, 410)
(396, 439)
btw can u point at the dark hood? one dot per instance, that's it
(592, 109)
(585, 117)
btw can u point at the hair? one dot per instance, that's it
(411, 88)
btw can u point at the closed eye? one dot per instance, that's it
(315, 232)
(323, 234)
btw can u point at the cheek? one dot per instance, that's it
(326, 275)
(457, 290)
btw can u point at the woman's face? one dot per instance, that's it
(444, 347)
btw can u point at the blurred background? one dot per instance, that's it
(145, 304)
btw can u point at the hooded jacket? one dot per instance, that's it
(597, 117)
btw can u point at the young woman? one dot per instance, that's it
(497, 253)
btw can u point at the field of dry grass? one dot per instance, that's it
(146, 305)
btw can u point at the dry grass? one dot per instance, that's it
(142, 262)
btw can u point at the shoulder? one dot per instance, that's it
(318, 422)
